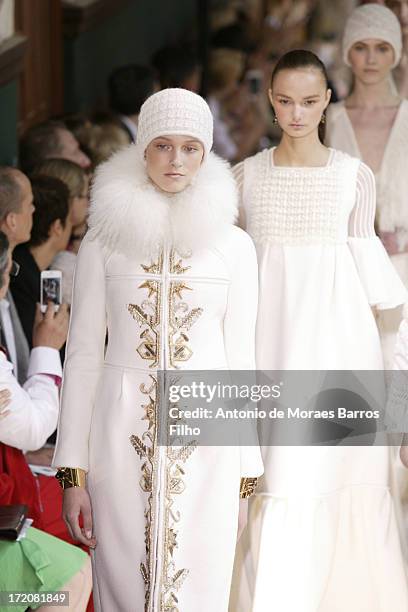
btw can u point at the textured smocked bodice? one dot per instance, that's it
(298, 206)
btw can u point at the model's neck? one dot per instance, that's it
(308, 151)
(374, 96)
(43, 255)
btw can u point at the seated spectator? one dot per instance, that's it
(16, 219)
(178, 66)
(128, 87)
(77, 181)
(50, 140)
(27, 415)
(240, 120)
(49, 235)
(103, 139)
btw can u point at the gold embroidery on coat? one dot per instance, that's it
(180, 321)
(148, 315)
(146, 450)
(180, 318)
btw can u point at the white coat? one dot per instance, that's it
(175, 284)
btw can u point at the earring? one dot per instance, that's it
(275, 120)
(323, 119)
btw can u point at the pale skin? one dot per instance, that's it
(49, 330)
(373, 106)
(299, 98)
(172, 162)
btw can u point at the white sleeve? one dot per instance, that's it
(381, 283)
(33, 409)
(239, 335)
(240, 317)
(84, 357)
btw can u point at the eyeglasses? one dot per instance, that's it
(15, 268)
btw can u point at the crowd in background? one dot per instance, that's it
(44, 204)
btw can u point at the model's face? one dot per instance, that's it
(400, 8)
(24, 217)
(371, 60)
(69, 149)
(173, 161)
(299, 98)
(80, 205)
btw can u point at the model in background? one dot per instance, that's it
(372, 124)
(165, 270)
(322, 534)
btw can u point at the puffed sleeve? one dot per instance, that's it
(84, 357)
(34, 407)
(239, 331)
(382, 285)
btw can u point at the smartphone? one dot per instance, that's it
(254, 80)
(51, 289)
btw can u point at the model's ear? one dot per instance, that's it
(270, 96)
(328, 98)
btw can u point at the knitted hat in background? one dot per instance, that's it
(175, 111)
(372, 21)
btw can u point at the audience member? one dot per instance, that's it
(50, 139)
(105, 138)
(77, 181)
(178, 66)
(49, 235)
(400, 8)
(16, 219)
(240, 119)
(128, 87)
(30, 416)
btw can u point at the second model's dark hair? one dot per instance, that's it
(302, 58)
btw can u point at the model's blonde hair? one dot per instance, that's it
(67, 171)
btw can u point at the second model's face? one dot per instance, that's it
(299, 98)
(173, 161)
(371, 60)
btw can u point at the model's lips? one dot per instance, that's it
(370, 69)
(297, 125)
(174, 174)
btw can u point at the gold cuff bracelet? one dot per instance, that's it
(71, 477)
(247, 488)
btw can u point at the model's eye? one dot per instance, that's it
(190, 149)
(283, 101)
(162, 147)
(384, 49)
(310, 102)
(358, 48)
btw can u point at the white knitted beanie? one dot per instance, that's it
(372, 21)
(175, 111)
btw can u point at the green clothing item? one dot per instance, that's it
(38, 563)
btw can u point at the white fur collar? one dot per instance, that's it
(130, 215)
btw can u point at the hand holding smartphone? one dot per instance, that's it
(51, 289)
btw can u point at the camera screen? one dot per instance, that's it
(51, 290)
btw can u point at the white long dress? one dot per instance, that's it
(322, 534)
(392, 199)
